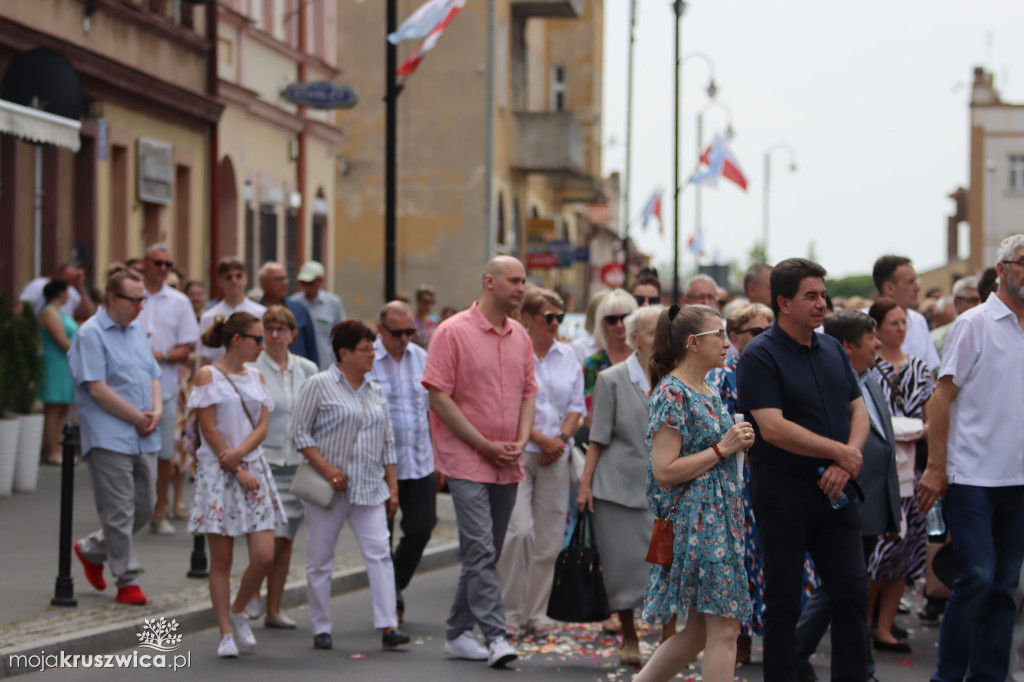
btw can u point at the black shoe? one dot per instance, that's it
(932, 610)
(323, 641)
(898, 632)
(805, 673)
(893, 648)
(392, 638)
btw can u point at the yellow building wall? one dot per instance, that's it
(127, 124)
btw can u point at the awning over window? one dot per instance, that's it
(38, 126)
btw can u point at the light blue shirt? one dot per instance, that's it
(408, 404)
(352, 430)
(105, 351)
(869, 402)
(326, 311)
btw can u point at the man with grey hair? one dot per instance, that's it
(398, 369)
(965, 296)
(274, 283)
(701, 289)
(756, 285)
(976, 464)
(325, 308)
(170, 323)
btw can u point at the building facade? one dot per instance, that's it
(136, 75)
(466, 193)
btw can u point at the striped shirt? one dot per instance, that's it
(409, 405)
(352, 430)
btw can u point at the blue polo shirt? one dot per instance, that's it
(812, 385)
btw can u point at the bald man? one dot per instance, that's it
(481, 385)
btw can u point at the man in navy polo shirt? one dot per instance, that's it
(798, 390)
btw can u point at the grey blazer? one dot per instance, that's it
(619, 423)
(880, 511)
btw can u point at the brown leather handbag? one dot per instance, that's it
(660, 549)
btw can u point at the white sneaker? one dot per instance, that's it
(254, 609)
(240, 624)
(161, 527)
(466, 646)
(500, 653)
(227, 648)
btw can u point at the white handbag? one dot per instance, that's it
(309, 486)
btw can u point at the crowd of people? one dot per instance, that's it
(795, 442)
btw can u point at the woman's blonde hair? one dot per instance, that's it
(740, 316)
(615, 302)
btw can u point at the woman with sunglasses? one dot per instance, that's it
(614, 475)
(908, 386)
(285, 373)
(234, 491)
(692, 481)
(610, 339)
(536, 528)
(743, 324)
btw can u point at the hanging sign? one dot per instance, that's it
(321, 95)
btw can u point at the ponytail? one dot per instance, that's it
(222, 330)
(675, 325)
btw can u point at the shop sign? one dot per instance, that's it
(541, 260)
(613, 275)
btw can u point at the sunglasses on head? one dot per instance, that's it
(410, 332)
(612, 320)
(648, 300)
(753, 331)
(549, 317)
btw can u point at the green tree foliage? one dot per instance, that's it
(853, 285)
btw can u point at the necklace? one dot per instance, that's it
(700, 387)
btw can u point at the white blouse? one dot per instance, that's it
(232, 423)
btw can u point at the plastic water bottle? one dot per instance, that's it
(840, 500)
(934, 523)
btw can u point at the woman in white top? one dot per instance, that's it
(284, 372)
(536, 528)
(234, 491)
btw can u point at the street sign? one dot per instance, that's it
(582, 254)
(612, 275)
(563, 251)
(321, 95)
(541, 260)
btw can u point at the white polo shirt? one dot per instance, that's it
(984, 355)
(169, 321)
(919, 340)
(221, 308)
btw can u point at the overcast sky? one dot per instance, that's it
(872, 97)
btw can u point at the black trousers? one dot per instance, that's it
(417, 498)
(793, 517)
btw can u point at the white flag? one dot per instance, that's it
(423, 20)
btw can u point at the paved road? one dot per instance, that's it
(574, 654)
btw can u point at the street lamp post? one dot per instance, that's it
(679, 6)
(767, 183)
(629, 147)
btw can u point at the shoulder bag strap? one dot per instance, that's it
(240, 398)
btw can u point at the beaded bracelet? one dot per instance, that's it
(718, 453)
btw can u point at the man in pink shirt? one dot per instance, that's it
(479, 374)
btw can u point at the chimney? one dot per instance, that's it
(982, 90)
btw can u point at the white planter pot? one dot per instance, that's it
(8, 453)
(30, 441)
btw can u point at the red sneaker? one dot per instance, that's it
(131, 594)
(93, 572)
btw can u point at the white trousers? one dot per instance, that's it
(535, 535)
(369, 524)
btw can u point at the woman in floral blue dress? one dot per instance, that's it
(693, 440)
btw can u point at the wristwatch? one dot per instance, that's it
(565, 438)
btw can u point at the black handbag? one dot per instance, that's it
(577, 593)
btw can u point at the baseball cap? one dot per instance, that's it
(310, 270)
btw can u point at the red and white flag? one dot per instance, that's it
(408, 67)
(720, 162)
(422, 21)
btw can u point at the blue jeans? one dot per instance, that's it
(985, 524)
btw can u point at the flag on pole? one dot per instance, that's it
(720, 162)
(695, 244)
(408, 67)
(421, 22)
(653, 208)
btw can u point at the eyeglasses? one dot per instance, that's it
(612, 320)
(549, 317)
(162, 263)
(719, 332)
(232, 276)
(361, 349)
(649, 300)
(973, 300)
(134, 301)
(410, 332)
(274, 331)
(254, 337)
(1014, 262)
(753, 331)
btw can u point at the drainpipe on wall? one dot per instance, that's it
(489, 176)
(300, 162)
(211, 87)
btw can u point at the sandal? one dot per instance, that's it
(54, 460)
(180, 512)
